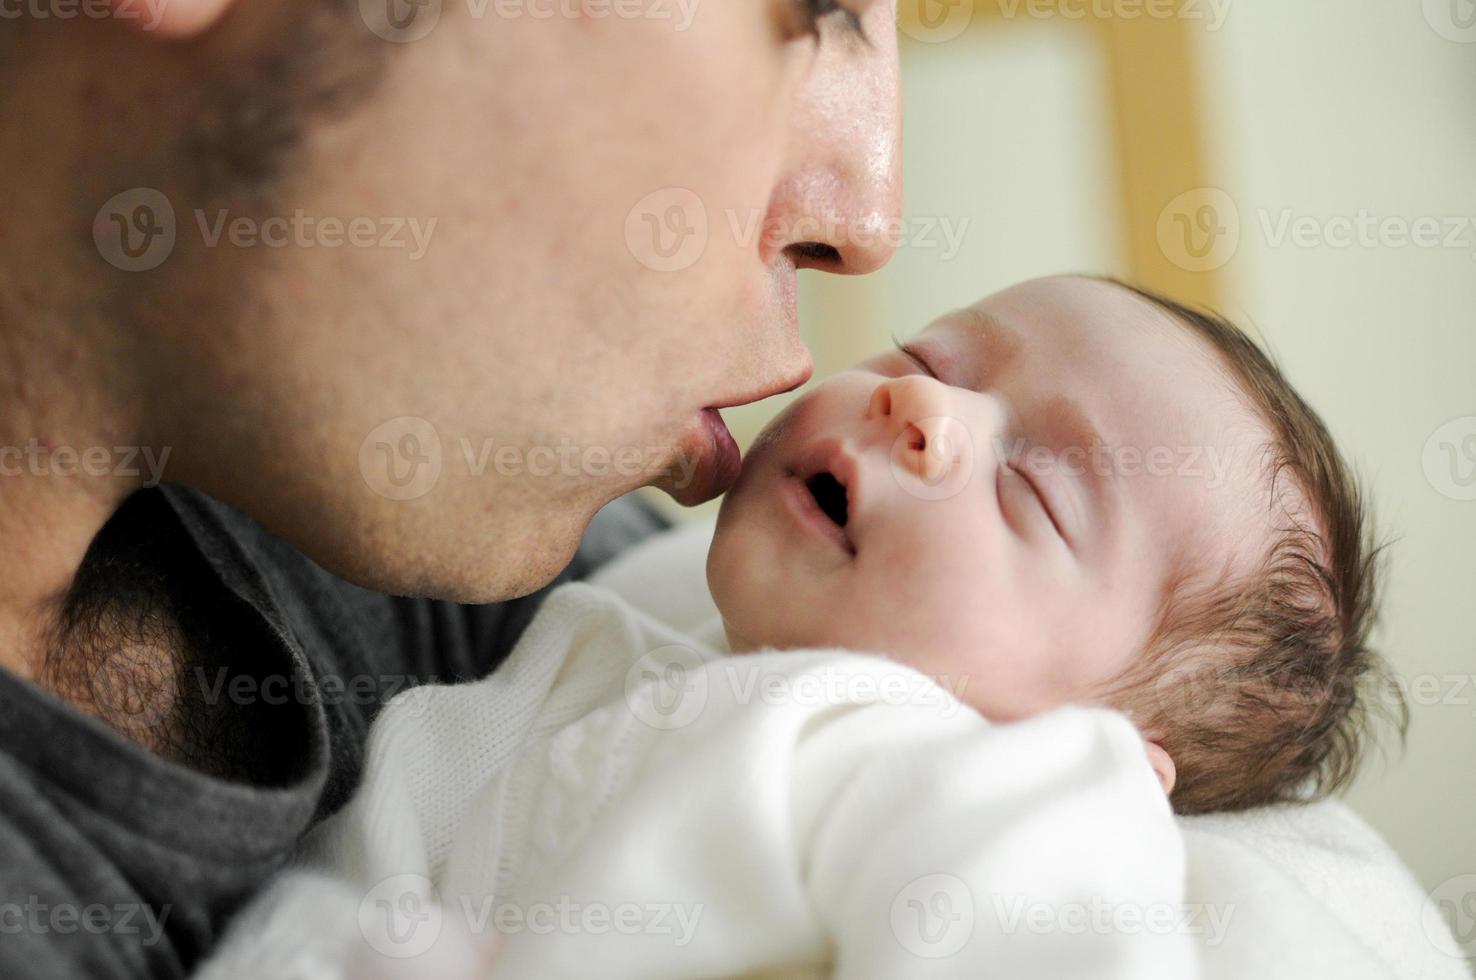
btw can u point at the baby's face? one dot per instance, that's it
(1006, 511)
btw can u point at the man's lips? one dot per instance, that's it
(709, 465)
(709, 460)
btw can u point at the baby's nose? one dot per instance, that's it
(914, 414)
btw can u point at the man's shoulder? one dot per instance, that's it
(91, 823)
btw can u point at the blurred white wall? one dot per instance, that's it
(1323, 110)
(1315, 111)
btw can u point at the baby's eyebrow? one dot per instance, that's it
(1000, 345)
(984, 350)
(1068, 424)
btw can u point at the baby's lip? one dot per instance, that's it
(831, 455)
(835, 456)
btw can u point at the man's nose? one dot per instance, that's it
(917, 419)
(838, 206)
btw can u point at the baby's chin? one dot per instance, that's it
(738, 644)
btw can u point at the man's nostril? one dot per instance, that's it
(816, 253)
(917, 440)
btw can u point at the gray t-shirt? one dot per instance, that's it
(115, 862)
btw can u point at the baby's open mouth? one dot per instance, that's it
(830, 495)
(823, 486)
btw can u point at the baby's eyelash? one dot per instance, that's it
(910, 352)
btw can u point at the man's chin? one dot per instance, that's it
(454, 564)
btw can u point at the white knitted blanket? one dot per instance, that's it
(618, 801)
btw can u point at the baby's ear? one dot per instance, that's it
(1162, 765)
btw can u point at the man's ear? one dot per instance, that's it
(1162, 765)
(174, 19)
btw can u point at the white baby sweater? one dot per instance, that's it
(618, 801)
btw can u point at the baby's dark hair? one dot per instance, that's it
(1262, 688)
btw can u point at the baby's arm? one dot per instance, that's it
(892, 840)
(1041, 848)
(888, 840)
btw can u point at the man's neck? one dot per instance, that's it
(47, 521)
(65, 468)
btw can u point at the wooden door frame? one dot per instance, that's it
(1152, 97)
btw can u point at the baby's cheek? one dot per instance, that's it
(995, 642)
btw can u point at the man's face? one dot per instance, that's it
(620, 206)
(1008, 509)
